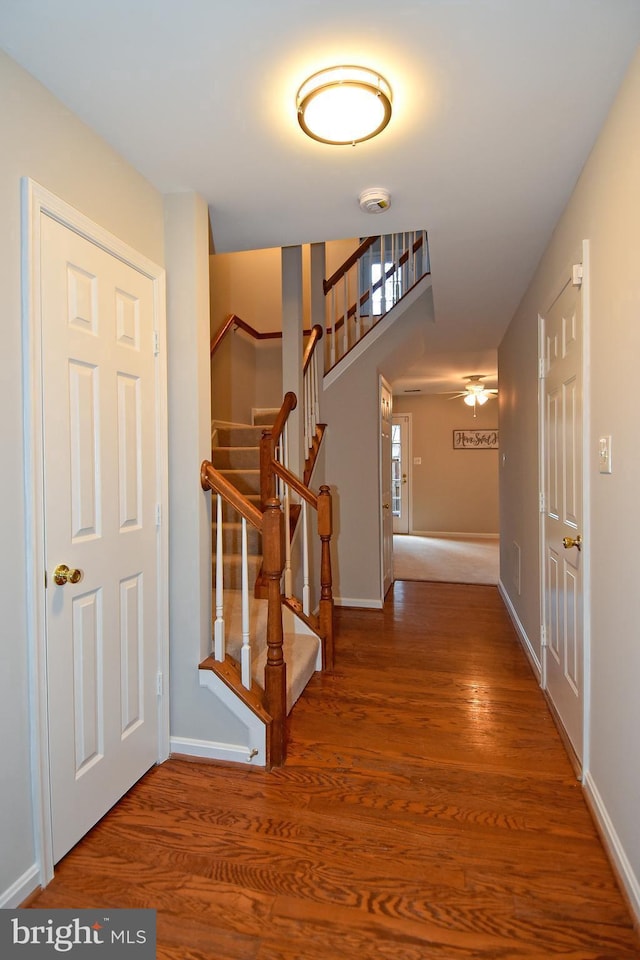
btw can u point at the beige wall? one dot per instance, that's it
(351, 409)
(452, 491)
(41, 139)
(604, 209)
(247, 373)
(249, 284)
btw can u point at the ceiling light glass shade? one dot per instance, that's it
(477, 396)
(344, 105)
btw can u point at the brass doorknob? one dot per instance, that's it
(568, 542)
(385, 506)
(62, 574)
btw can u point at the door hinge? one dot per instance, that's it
(541, 501)
(46, 580)
(156, 343)
(577, 275)
(543, 635)
(160, 685)
(158, 514)
(541, 368)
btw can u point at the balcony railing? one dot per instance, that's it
(368, 285)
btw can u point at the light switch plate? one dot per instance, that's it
(604, 454)
(417, 461)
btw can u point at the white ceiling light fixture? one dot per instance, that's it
(344, 105)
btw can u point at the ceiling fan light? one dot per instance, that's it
(344, 105)
(470, 399)
(482, 397)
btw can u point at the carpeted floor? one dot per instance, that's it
(446, 559)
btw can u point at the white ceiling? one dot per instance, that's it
(496, 105)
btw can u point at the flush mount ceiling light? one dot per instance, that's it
(343, 105)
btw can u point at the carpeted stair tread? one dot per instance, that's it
(239, 436)
(300, 650)
(245, 481)
(236, 458)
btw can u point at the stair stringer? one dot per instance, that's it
(255, 721)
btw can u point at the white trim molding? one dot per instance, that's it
(613, 845)
(18, 892)
(254, 751)
(520, 630)
(213, 750)
(450, 535)
(360, 602)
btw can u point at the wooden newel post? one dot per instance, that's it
(325, 530)
(267, 476)
(275, 672)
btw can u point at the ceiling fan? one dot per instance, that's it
(475, 394)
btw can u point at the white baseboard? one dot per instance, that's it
(358, 602)
(626, 876)
(18, 892)
(522, 633)
(212, 750)
(450, 535)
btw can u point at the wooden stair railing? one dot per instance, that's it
(401, 263)
(271, 525)
(323, 622)
(276, 527)
(277, 481)
(234, 321)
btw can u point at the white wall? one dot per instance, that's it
(604, 209)
(44, 141)
(351, 409)
(452, 491)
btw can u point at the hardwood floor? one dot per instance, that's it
(427, 810)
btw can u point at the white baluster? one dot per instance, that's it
(370, 278)
(218, 627)
(306, 593)
(383, 287)
(333, 325)
(245, 653)
(394, 275)
(307, 410)
(357, 318)
(345, 315)
(288, 578)
(314, 393)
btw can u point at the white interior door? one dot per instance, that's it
(386, 409)
(563, 509)
(100, 493)
(400, 473)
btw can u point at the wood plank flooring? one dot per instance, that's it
(427, 810)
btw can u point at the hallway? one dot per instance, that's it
(427, 810)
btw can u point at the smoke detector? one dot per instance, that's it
(375, 200)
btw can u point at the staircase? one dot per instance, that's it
(236, 455)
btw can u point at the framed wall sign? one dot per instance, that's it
(475, 439)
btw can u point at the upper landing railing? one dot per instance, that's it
(368, 284)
